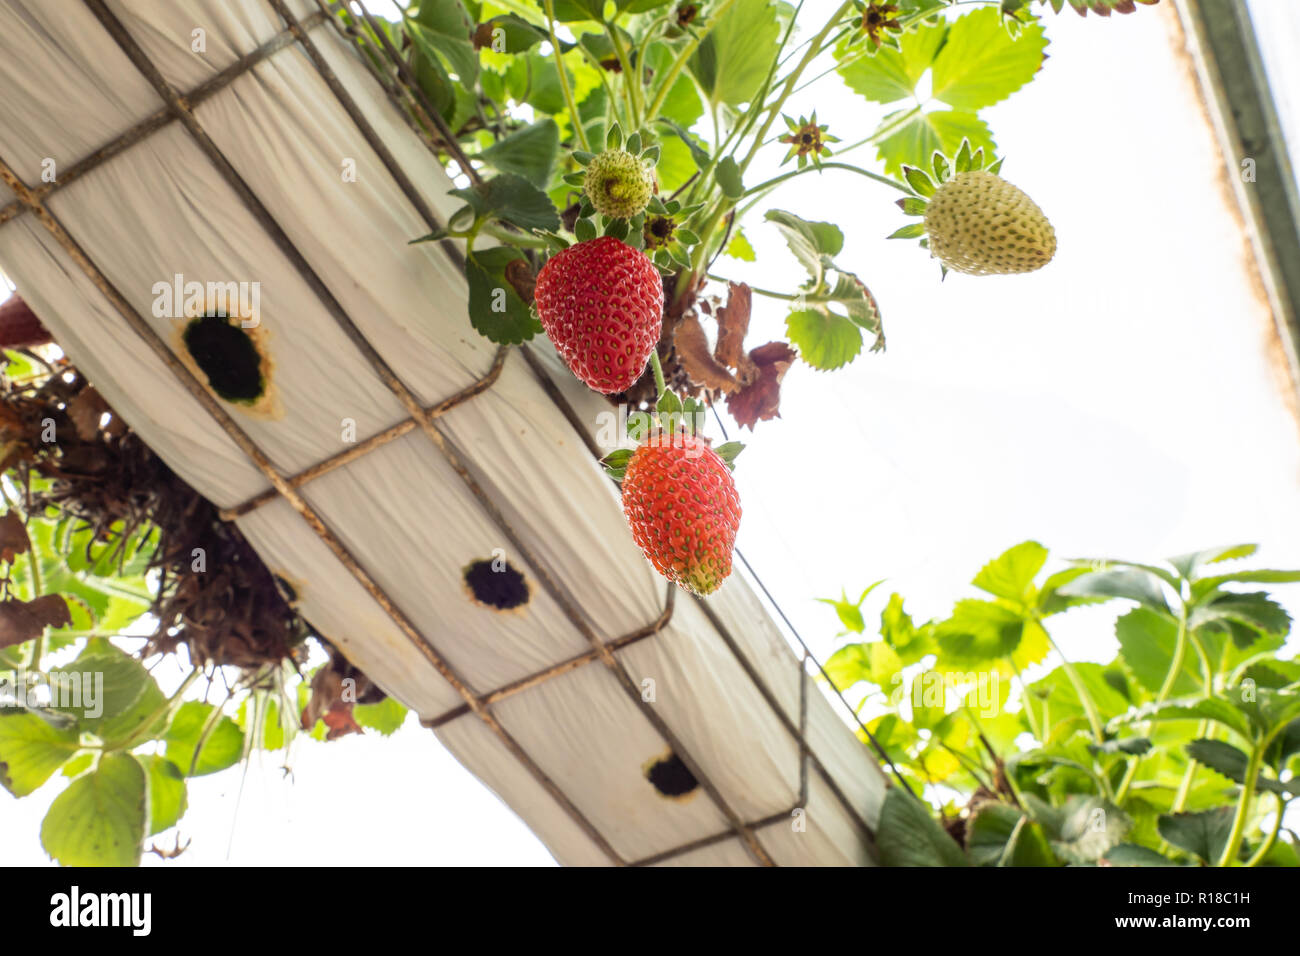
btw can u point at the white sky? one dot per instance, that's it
(1122, 402)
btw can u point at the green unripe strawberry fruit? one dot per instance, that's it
(980, 224)
(618, 184)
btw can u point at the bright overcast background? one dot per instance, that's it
(1130, 400)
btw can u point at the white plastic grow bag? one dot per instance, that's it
(568, 753)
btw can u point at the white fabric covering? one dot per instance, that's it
(161, 208)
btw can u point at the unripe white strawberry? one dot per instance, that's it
(980, 224)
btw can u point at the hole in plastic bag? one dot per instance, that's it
(228, 356)
(493, 583)
(670, 776)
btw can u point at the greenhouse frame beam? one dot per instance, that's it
(1235, 86)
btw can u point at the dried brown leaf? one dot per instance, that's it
(13, 536)
(693, 350)
(86, 410)
(760, 400)
(733, 325)
(23, 620)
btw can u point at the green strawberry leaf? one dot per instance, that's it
(31, 749)
(167, 793)
(102, 818)
(915, 142)
(1231, 762)
(1146, 641)
(1204, 834)
(825, 340)
(814, 244)
(495, 308)
(733, 59)
(909, 835)
(222, 749)
(980, 64)
(511, 199)
(529, 153)
(1011, 574)
(889, 75)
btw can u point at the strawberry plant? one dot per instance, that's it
(109, 562)
(620, 150)
(1182, 750)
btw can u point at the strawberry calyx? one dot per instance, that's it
(672, 420)
(923, 184)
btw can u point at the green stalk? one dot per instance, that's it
(574, 119)
(777, 180)
(1243, 805)
(660, 385)
(1089, 706)
(38, 646)
(671, 76)
(814, 50)
(1028, 703)
(1272, 837)
(1175, 668)
(631, 82)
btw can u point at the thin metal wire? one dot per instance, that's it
(802, 643)
(374, 441)
(572, 663)
(151, 124)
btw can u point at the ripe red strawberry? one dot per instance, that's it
(681, 503)
(602, 304)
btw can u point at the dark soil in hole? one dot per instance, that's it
(502, 589)
(671, 777)
(227, 356)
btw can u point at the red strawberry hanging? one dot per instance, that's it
(602, 302)
(681, 504)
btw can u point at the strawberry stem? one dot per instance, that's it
(660, 385)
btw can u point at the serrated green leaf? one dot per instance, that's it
(529, 153)
(1147, 639)
(825, 341)
(908, 834)
(980, 64)
(512, 199)
(1204, 834)
(814, 244)
(385, 717)
(1134, 584)
(31, 750)
(495, 309)
(733, 59)
(167, 793)
(223, 748)
(888, 75)
(1229, 761)
(914, 142)
(1011, 574)
(1188, 564)
(101, 819)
